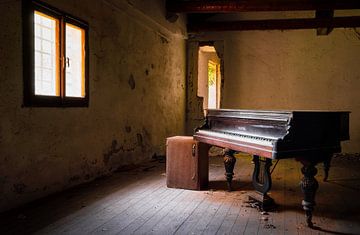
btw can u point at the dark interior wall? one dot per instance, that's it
(137, 59)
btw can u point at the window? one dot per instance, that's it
(55, 59)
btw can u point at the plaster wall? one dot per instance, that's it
(295, 70)
(137, 99)
(194, 103)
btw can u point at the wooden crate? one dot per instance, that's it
(187, 163)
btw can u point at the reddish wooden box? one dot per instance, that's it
(187, 163)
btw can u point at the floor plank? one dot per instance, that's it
(175, 218)
(153, 221)
(141, 220)
(101, 212)
(137, 201)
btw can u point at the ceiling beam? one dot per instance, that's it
(277, 24)
(228, 6)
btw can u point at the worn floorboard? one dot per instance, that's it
(137, 201)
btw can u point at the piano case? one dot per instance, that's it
(184, 167)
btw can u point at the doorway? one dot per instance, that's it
(209, 77)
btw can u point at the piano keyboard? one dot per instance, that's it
(237, 137)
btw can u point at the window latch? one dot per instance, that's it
(67, 62)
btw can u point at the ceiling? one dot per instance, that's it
(237, 15)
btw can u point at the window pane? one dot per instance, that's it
(46, 49)
(75, 66)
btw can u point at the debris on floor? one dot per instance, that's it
(269, 226)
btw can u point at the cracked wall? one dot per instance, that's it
(137, 99)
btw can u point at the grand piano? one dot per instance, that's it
(310, 137)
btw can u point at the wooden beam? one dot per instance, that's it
(228, 6)
(278, 24)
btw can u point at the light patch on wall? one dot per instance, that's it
(213, 77)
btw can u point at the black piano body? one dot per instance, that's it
(275, 134)
(308, 136)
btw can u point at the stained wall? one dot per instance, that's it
(137, 99)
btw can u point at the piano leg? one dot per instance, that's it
(261, 180)
(309, 186)
(229, 162)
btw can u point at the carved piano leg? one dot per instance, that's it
(309, 186)
(261, 180)
(229, 162)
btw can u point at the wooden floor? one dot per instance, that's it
(137, 201)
